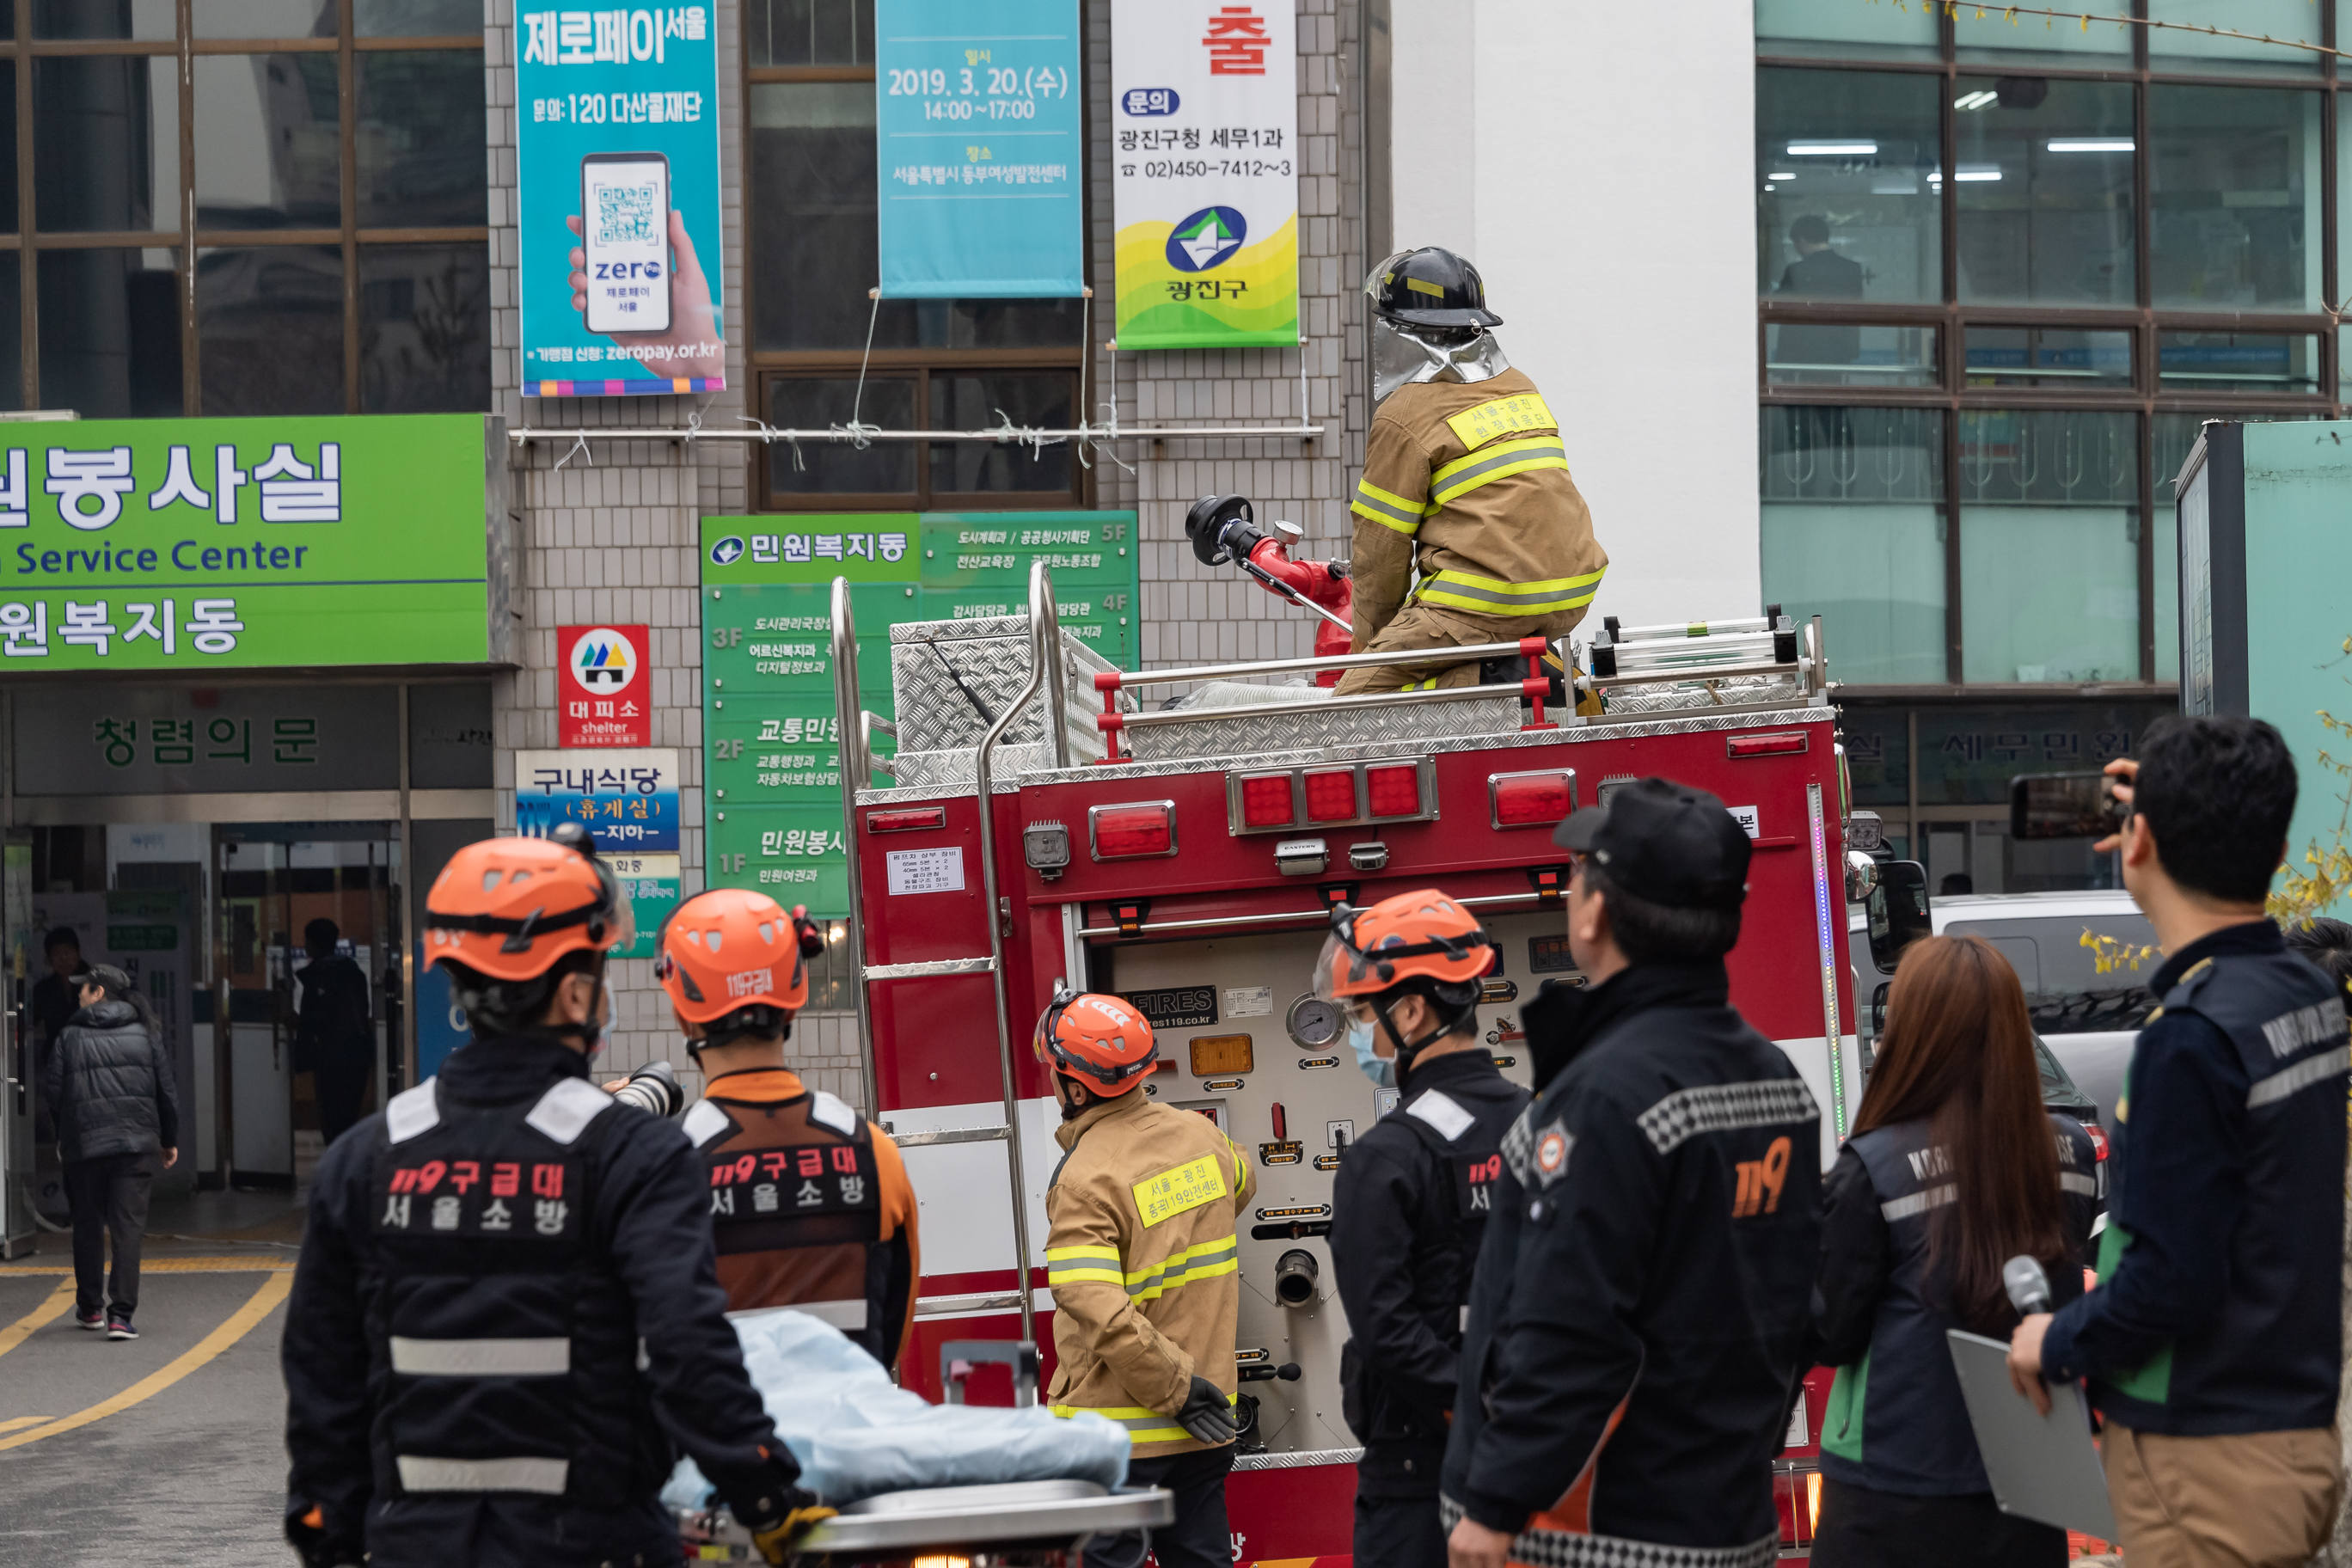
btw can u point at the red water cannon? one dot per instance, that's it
(1222, 533)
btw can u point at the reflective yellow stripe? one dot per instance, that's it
(1484, 466)
(1429, 685)
(1083, 1276)
(1388, 510)
(1142, 1425)
(1463, 591)
(1056, 1254)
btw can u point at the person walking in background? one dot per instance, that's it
(334, 1030)
(1953, 1169)
(57, 997)
(1818, 273)
(109, 1084)
(2213, 1342)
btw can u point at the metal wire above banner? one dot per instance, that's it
(1007, 434)
(1970, 10)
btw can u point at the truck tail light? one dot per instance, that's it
(1332, 795)
(1132, 831)
(1533, 799)
(2099, 1140)
(906, 819)
(1395, 790)
(1266, 802)
(1785, 744)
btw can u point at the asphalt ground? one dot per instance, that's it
(166, 1450)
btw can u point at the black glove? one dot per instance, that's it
(1208, 1415)
(307, 1533)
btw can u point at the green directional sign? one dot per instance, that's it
(771, 737)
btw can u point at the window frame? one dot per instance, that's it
(2146, 395)
(19, 52)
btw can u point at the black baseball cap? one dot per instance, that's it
(1665, 842)
(107, 978)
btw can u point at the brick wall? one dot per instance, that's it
(611, 527)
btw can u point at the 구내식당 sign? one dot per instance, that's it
(616, 121)
(1204, 159)
(604, 700)
(190, 545)
(627, 799)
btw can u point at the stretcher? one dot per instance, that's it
(1022, 1524)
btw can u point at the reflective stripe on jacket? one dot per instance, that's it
(1142, 1256)
(1468, 485)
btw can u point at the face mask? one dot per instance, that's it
(1380, 1071)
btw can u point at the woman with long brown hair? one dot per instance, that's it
(1954, 1168)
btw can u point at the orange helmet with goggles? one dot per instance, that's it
(1420, 942)
(510, 908)
(730, 949)
(1097, 1040)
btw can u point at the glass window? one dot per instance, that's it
(8, 148)
(269, 144)
(111, 333)
(1853, 523)
(109, 144)
(421, 129)
(975, 402)
(2044, 172)
(1985, 34)
(835, 468)
(417, 18)
(2049, 545)
(1819, 354)
(2176, 49)
(140, 20)
(2048, 356)
(12, 331)
(266, 19)
(424, 329)
(269, 325)
(2233, 186)
(2239, 362)
(1833, 27)
(2170, 437)
(1847, 209)
(808, 32)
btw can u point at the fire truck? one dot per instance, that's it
(1179, 838)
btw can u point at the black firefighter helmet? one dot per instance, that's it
(1430, 288)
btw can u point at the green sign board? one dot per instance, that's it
(772, 761)
(190, 545)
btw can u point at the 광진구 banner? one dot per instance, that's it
(980, 144)
(616, 126)
(1204, 144)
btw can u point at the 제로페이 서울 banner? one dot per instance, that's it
(192, 545)
(980, 140)
(616, 124)
(772, 760)
(1204, 153)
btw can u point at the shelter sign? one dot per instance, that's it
(980, 142)
(1204, 150)
(616, 123)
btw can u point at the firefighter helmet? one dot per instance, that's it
(1097, 1040)
(1430, 288)
(1421, 935)
(730, 949)
(508, 909)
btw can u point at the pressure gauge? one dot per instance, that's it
(1313, 1022)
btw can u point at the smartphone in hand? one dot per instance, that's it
(2065, 805)
(624, 234)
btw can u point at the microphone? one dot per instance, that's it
(2027, 1287)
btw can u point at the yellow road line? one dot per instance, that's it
(240, 1323)
(166, 1266)
(14, 1422)
(50, 1309)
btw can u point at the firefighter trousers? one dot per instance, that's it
(1198, 1539)
(1418, 626)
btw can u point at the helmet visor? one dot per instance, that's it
(1341, 978)
(620, 915)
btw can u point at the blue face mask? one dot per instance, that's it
(1382, 1072)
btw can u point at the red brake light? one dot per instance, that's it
(1395, 792)
(1127, 832)
(1331, 796)
(902, 820)
(1531, 800)
(2099, 1140)
(1266, 802)
(1782, 745)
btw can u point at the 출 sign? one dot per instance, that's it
(189, 545)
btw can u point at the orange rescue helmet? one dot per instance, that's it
(732, 948)
(1420, 935)
(508, 909)
(1097, 1040)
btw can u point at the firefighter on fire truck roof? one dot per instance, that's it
(809, 1201)
(507, 1321)
(1144, 1264)
(1465, 483)
(1410, 1203)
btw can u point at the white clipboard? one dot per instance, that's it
(2043, 1468)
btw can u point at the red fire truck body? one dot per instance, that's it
(1197, 881)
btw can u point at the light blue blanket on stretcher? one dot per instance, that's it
(856, 1432)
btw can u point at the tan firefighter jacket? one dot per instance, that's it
(1470, 484)
(1141, 1253)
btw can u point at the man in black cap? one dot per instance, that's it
(1641, 1302)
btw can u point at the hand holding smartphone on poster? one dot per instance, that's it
(624, 280)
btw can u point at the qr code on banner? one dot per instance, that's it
(624, 214)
